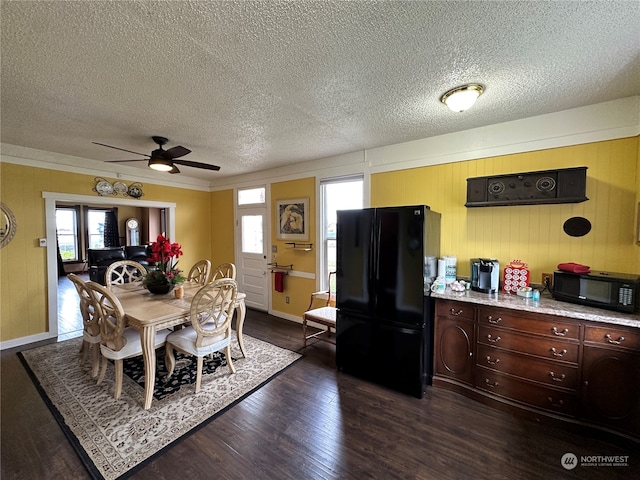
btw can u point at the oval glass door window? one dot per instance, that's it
(577, 227)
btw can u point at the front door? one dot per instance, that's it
(251, 267)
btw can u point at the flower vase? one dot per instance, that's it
(161, 289)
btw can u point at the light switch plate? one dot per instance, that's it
(43, 242)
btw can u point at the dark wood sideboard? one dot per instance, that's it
(542, 366)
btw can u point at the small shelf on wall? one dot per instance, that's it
(278, 267)
(305, 247)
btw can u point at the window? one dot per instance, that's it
(344, 193)
(252, 234)
(251, 196)
(67, 228)
(252, 220)
(95, 228)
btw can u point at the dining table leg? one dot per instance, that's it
(148, 340)
(241, 308)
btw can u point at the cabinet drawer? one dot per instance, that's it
(549, 399)
(613, 336)
(445, 308)
(554, 327)
(549, 348)
(544, 371)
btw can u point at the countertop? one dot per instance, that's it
(547, 305)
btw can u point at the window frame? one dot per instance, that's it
(77, 235)
(323, 245)
(87, 211)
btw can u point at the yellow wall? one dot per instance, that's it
(531, 233)
(298, 289)
(222, 228)
(23, 273)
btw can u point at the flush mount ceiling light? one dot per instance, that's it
(463, 97)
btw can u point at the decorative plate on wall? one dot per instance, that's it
(135, 190)
(120, 187)
(103, 187)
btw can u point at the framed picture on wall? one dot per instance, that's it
(293, 219)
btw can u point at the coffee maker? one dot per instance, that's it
(485, 275)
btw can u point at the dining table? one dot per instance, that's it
(148, 313)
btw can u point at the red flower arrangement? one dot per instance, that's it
(163, 253)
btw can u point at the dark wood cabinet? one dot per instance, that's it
(529, 359)
(454, 357)
(611, 378)
(455, 338)
(585, 372)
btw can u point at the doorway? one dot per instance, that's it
(51, 200)
(252, 228)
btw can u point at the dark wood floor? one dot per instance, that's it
(312, 422)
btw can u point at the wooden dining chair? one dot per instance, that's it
(117, 340)
(212, 309)
(224, 270)
(124, 271)
(91, 329)
(200, 272)
(324, 316)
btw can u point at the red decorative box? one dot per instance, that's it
(516, 275)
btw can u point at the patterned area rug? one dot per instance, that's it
(114, 438)
(184, 372)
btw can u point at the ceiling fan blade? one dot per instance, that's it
(118, 148)
(119, 161)
(205, 166)
(174, 170)
(176, 152)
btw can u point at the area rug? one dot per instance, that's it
(114, 438)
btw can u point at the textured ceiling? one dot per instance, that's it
(254, 85)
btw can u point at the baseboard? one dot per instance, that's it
(18, 342)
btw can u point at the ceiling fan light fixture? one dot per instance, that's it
(463, 97)
(160, 164)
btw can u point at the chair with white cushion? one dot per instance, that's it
(199, 273)
(212, 309)
(117, 341)
(91, 329)
(124, 271)
(324, 316)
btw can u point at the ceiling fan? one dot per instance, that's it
(164, 160)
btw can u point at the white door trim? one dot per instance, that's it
(52, 261)
(267, 229)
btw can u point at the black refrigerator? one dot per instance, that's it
(384, 329)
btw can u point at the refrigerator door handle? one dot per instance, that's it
(376, 251)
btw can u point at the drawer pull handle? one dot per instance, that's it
(492, 340)
(559, 334)
(457, 313)
(556, 354)
(490, 384)
(558, 404)
(557, 379)
(615, 342)
(492, 362)
(495, 321)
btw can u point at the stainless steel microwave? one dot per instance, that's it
(614, 291)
